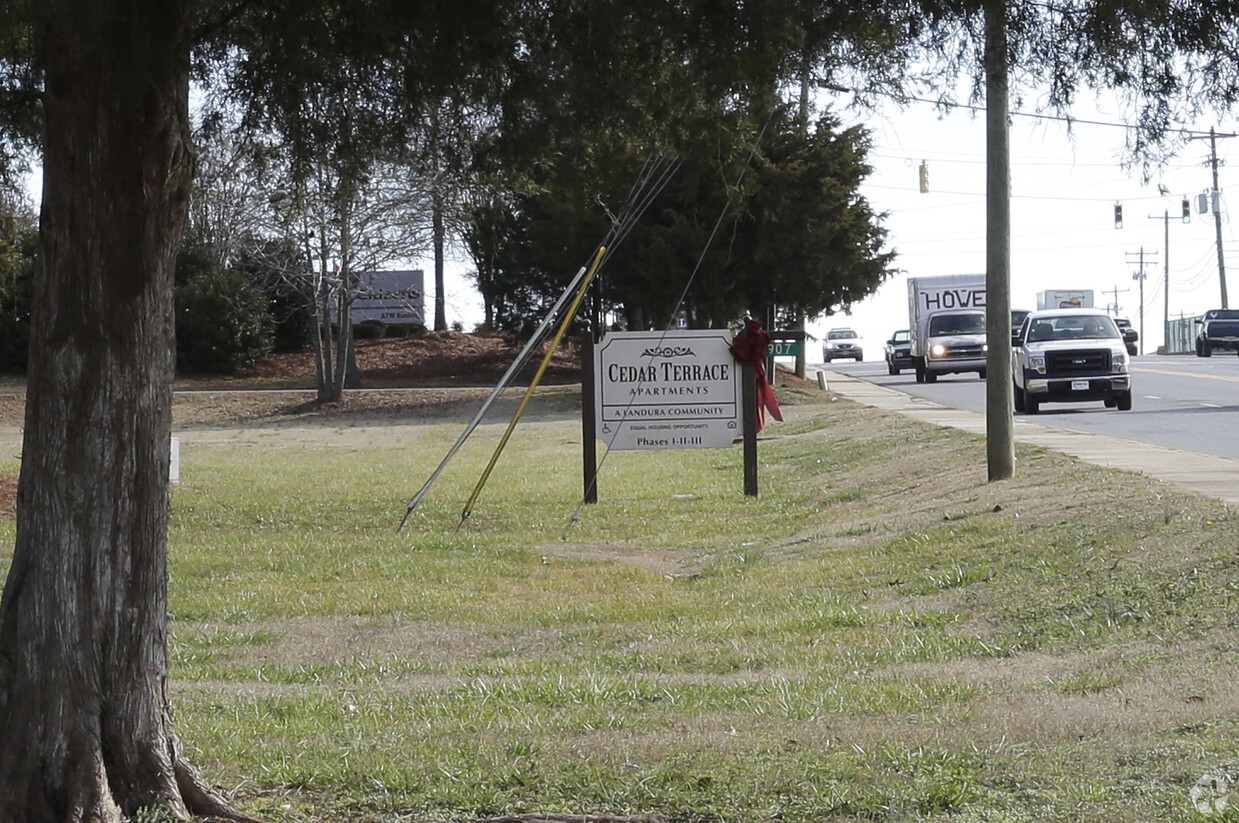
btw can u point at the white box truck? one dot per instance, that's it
(1065, 299)
(946, 314)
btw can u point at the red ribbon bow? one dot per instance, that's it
(750, 349)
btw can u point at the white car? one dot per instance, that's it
(1069, 356)
(842, 343)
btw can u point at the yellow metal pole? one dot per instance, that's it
(533, 384)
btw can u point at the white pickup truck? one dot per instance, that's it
(1069, 356)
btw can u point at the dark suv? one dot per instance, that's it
(1217, 329)
(1130, 335)
(899, 351)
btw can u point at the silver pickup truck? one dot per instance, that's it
(1069, 356)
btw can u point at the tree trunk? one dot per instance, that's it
(323, 343)
(351, 374)
(439, 240)
(344, 341)
(84, 712)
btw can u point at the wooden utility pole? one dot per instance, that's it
(589, 417)
(999, 401)
(1217, 213)
(1215, 202)
(1165, 218)
(1113, 307)
(1140, 276)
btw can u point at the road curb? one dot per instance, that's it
(1215, 477)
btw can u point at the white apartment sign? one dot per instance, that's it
(667, 390)
(389, 296)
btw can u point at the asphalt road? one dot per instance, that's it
(1179, 402)
(1177, 430)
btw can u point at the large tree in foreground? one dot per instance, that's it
(84, 711)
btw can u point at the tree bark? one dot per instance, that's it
(323, 342)
(84, 710)
(439, 240)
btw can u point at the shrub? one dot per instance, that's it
(293, 315)
(370, 330)
(222, 323)
(405, 329)
(17, 255)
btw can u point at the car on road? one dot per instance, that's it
(1217, 329)
(899, 351)
(843, 343)
(954, 344)
(1017, 317)
(1069, 356)
(1130, 335)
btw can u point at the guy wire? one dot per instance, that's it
(533, 384)
(657, 167)
(576, 515)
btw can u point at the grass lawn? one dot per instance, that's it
(880, 635)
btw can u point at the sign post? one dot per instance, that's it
(748, 382)
(783, 344)
(589, 440)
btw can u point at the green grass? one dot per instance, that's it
(880, 635)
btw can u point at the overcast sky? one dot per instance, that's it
(1065, 182)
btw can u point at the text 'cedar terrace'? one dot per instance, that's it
(668, 373)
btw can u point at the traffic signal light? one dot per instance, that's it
(1187, 210)
(924, 177)
(1118, 215)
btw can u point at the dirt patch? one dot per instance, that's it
(8, 496)
(433, 359)
(673, 564)
(304, 641)
(433, 377)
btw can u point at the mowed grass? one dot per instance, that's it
(880, 635)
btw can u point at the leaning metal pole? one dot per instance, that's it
(564, 323)
(516, 365)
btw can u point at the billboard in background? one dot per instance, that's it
(388, 296)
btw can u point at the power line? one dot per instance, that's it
(967, 160)
(1057, 118)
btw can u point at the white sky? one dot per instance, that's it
(1064, 184)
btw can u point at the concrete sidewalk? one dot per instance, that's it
(1212, 476)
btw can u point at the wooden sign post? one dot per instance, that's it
(676, 389)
